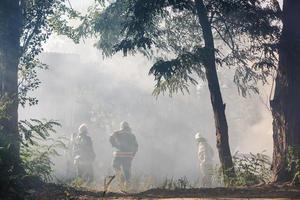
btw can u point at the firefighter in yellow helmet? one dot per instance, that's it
(84, 154)
(205, 159)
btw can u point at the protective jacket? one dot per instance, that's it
(83, 148)
(124, 142)
(205, 153)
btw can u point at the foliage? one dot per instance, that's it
(178, 72)
(8, 180)
(61, 20)
(38, 147)
(293, 161)
(35, 129)
(217, 176)
(251, 169)
(36, 29)
(35, 157)
(246, 35)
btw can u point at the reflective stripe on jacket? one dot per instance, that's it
(123, 154)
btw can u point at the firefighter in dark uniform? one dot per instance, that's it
(126, 146)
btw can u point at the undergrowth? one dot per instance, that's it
(293, 161)
(36, 149)
(250, 169)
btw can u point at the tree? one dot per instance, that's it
(10, 53)
(245, 33)
(215, 92)
(285, 104)
(24, 26)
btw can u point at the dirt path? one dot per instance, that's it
(53, 192)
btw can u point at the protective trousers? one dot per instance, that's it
(123, 164)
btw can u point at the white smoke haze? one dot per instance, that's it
(102, 94)
(82, 87)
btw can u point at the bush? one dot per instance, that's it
(38, 147)
(294, 164)
(251, 169)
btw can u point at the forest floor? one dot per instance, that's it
(60, 192)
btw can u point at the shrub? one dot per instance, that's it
(294, 164)
(38, 147)
(251, 169)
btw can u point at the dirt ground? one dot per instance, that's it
(58, 192)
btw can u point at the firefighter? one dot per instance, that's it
(84, 154)
(126, 146)
(205, 158)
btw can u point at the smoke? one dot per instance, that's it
(82, 87)
(259, 137)
(104, 93)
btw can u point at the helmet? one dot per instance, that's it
(76, 160)
(83, 128)
(199, 138)
(124, 125)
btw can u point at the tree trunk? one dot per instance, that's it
(286, 102)
(10, 28)
(215, 93)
